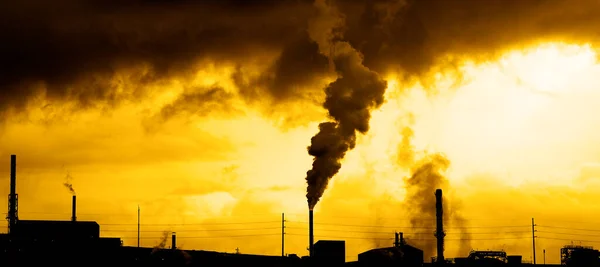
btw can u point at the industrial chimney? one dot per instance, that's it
(74, 211)
(439, 233)
(173, 241)
(12, 197)
(311, 240)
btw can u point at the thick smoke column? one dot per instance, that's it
(69, 183)
(427, 175)
(349, 100)
(425, 179)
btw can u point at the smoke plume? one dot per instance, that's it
(427, 175)
(69, 183)
(348, 101)
(162, 243)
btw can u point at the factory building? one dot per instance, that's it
(579, 256)
(69, 242)
(329, 253)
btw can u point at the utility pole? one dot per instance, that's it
(283, 235)
(138, 226)
(533, 237)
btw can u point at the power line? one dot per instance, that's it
(416, 239)
(569, 228)
(195, 230)
(413, 227)
(571, 240)
(186, 224)
(410, 233)
(199, 237)
(560, 233)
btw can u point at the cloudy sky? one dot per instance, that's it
(201, 114)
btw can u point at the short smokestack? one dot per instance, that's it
(12, 197)
(401, 239)
(311, 237)
(396, 239)
(173, 241)
(74, 211)
(439, 234)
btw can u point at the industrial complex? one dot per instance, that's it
(73, 242)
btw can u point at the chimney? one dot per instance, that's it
(12, 197)
(401, 238)
(439, 233)
(310, 233)
(173, 241)
(397, 240)
(74, 211)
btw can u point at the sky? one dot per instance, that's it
(204, 115)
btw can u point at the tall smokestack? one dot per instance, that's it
(12, 197)
(74, 211)
(311, 237)
(173, 241)
(439, 226)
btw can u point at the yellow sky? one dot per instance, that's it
(521, 135)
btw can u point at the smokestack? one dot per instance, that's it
(401, 238)
(12, 197)
(439, 226)
(397, 240)
(173, 241)
(310, 233)
(74, 211)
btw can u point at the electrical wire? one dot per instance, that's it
(185, 224)
(411, 227)
(411, 233)
(568, 228)
(562, 233)
(196, 230)
(196, 237)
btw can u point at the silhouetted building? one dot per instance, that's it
(329, 252)
(57, 229)
(579, 256)
(404, 255)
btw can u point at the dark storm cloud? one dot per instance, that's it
(87, 51)
(412, 35)
(200, 103)
(77, 49)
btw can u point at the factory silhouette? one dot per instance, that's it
(76, 243)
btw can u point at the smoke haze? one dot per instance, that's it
(427, 174)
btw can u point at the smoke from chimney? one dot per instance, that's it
(427, 174)
(162, 243)
(12, 197)
(439, 233)
(74, 209)
(348, 101)
(69, 184)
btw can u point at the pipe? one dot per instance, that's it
(173, 241)
(12, 198)
(439, 226)
(74, 211)
(310, 233)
